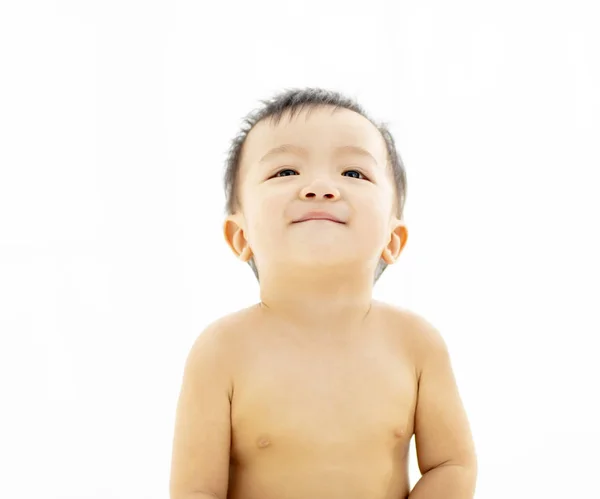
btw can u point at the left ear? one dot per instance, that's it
(396, 243)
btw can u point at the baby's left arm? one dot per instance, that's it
(444, 443)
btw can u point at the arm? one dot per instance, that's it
(200, 457)
(444, 443)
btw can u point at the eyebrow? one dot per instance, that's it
(301, 151)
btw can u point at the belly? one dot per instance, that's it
(322, 475)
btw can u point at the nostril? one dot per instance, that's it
(312, 195)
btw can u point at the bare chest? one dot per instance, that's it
(295, 400)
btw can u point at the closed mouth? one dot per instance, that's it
(319, 218)
(319, 215)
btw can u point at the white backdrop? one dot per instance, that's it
(114, 121)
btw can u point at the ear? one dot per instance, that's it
(234, 235)
(396, 244)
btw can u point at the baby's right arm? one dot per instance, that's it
(200, 458)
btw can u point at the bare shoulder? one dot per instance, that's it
(218, 343)
(225, 329)
(417, 334)
(406, 322)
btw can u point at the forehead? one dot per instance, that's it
(318, 130)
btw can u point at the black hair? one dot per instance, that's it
(293, 101)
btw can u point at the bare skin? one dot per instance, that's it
(301, 413)
(316, 416)
(315, 392)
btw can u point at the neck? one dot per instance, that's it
(335, 300)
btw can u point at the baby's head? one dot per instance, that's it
(314, 150)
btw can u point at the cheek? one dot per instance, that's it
(385, 203)
(272, 203)
(374, 215)
(266, 218)
(263, 201)
(375, 203)
(276, 204)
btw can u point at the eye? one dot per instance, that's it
(359, 174)
(284, 172)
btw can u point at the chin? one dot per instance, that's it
(325, 257)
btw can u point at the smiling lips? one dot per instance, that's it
(318, 215)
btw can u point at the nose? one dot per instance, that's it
(320, 189)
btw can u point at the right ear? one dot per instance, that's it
(236, 239)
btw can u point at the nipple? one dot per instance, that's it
(399, 432)
(263, 442)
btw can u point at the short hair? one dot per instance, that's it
(293, 101)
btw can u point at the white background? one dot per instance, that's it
(115, 117)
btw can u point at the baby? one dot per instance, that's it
(316, 391)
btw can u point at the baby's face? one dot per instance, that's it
(334, 163)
